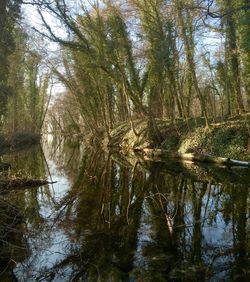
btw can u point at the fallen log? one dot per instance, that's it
(197, 172)
(22, 183)
(159, 154)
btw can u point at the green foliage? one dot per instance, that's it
(9, 14)
(243, 21)
(229, 140)
(125, 61)
(25, 107)
(226, 140)
(157, 37)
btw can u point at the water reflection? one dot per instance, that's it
(114, 219)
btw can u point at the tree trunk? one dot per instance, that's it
(164, 155)
(234, 57)
(189, 50)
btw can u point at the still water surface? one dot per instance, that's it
(110, 218)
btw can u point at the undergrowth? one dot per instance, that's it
(225, 138)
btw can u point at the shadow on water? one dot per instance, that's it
(111, 218)
(19, 210)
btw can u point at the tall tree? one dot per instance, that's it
(29, 79)
(9, 14)
(185, 22)
(243, 22)
(233, 51)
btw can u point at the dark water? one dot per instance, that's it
(110, 218)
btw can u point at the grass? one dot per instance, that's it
(222, 140)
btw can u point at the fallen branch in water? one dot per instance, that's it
(159, 154)
(20, 183)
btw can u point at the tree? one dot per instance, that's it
(185, 22)
(30, 81)
(137, 58)
(234, 60)
(9, 14)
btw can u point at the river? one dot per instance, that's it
(114, 218)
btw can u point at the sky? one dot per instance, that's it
(32, 20)
(207, 41)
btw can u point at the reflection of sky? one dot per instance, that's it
(144, 237)
(217, 231)
(45, 254)
(54, 240)
(49, 244)
(217, 235)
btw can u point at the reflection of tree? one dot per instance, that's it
(198, 192)
(12, 247)
(138, 222)
(107, 200)
(160, 252)
(30, 164)
(240, 216)
(65, 154)
(21, 220)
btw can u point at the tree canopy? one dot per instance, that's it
(123, 60)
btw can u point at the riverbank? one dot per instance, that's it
(18, 141)
(225, 138)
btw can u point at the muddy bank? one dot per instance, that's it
(18, 141)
